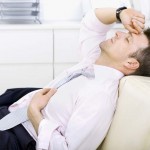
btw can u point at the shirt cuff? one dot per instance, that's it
(45, 131)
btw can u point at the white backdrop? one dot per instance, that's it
(64, 9)
(110, 3)
(75, 9)
(143, 6)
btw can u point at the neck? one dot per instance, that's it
(105, 61)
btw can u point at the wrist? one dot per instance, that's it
(35, 117)
(34, 106)
(119, 12)
(33, 112)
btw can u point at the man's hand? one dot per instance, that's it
(132, 20)
(38, 102)
(41, 98)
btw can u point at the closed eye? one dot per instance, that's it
(130, 38)
(127, 39)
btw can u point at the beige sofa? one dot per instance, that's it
(130, 128)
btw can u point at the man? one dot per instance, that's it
(78, 115)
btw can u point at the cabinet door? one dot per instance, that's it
(26, 58)
(25, 75)
(66, 45)
(26, 46)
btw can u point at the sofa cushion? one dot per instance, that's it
(130, 129)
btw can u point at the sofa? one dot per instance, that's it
(130, 128)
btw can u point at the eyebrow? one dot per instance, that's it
(131, 34)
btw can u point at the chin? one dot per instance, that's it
(103, 45)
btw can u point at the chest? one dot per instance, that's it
(61, 105)
(68, 97)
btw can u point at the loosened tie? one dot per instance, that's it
(20, 115)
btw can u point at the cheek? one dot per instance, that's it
(120, 47)
(119, 51)
(116, 49)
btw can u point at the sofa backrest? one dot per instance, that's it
(130, 128)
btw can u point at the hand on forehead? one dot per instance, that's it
(133, 20)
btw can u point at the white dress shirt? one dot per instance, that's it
(78, 116)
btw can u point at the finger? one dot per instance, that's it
(51, 93)
(142, 26)
(137, 27)
(45, 90)
(142, 20)
(131, 29)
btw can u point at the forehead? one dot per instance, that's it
(139, 40)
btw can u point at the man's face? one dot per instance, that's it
(119, 47)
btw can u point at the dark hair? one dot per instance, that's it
(147, 33)
(143, 57)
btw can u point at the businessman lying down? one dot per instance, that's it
(74, 111)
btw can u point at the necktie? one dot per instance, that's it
(20, 115)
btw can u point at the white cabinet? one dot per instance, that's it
(31, 56)
(24, 75)
(26, 46)
(66, 52)
(26, 58)
(66, 45)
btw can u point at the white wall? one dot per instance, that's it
(52, 10)
(110, 3)
(63, 9)
(140, 5)
(143, 6)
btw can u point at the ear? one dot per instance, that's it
(132, 64)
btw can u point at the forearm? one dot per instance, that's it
(38, 102)
(106, 15)
(132, 20)
(35, 117)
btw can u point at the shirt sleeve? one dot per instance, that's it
(86, 128)
(92, 33)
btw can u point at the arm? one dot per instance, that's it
(38, 102)
(106, 15)
(92, 33)
(85, 124)
(96, 24)
(132, 20)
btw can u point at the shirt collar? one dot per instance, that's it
(106, 73)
